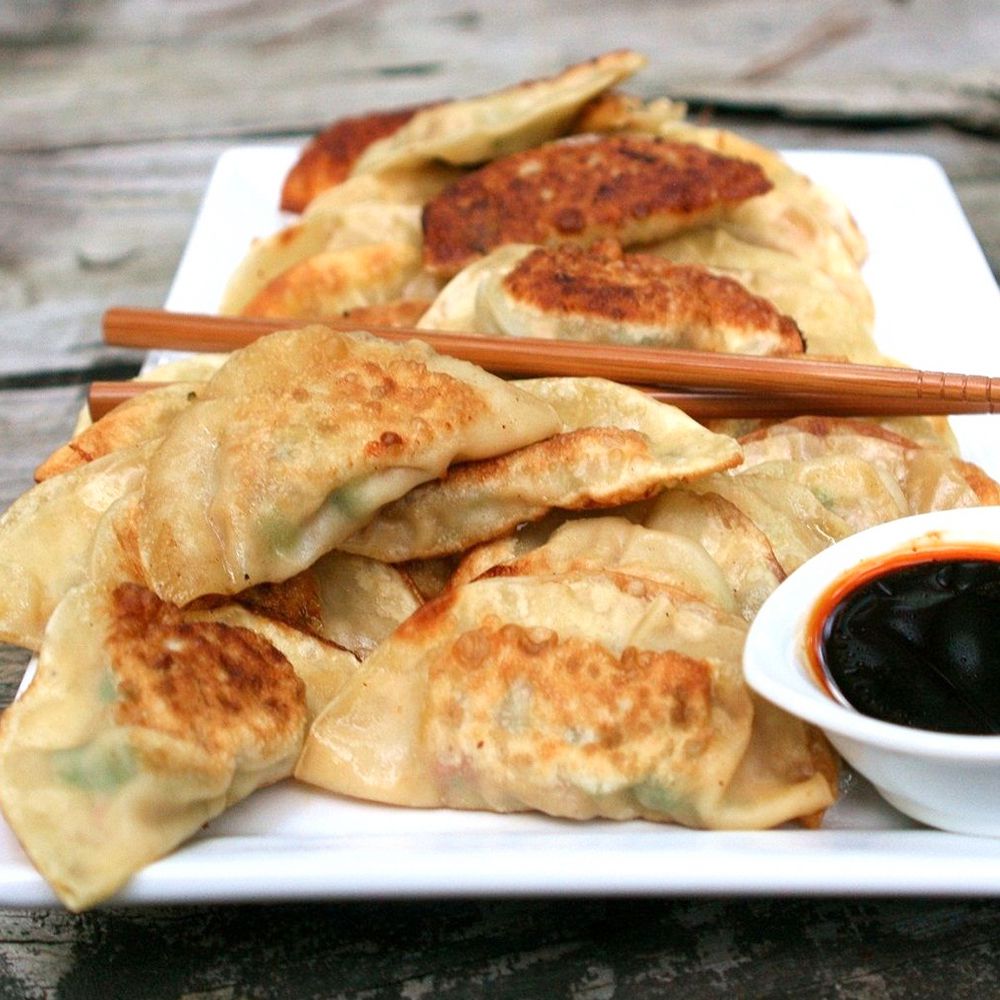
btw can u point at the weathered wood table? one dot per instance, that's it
(111, 117)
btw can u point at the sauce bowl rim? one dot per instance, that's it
(775, 660)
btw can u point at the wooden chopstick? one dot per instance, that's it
(103, 397)
(814, 383)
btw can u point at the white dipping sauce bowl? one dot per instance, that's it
(945, 780)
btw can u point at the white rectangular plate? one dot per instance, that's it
(937, 307)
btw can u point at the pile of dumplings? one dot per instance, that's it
(397, 577)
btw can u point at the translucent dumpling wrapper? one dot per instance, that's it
(481, 128)
(350, 601)
(459, 305)
(138, 727)
(795, 523)
(352, 226)
(618, 445)
(815, 212)
(930, 477)
(296, 443)
(859, 492)
(594, 544)
(579, 696)
(45, 539)
(738, 547)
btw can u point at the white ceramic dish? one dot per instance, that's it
(938, 306)
(945, 780)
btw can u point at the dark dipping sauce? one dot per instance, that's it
(915, 640)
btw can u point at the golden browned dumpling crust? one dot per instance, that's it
(333, 281)
(687, 305)
(494, 678)
(140, 419)
(401, 313)
(633, 188)
(225, 688)
(294, 602)
(328, 158)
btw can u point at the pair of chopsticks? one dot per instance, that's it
(705, 385)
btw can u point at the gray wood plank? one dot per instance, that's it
(218, 72)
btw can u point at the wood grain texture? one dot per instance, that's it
(112, 114)
(293, 68)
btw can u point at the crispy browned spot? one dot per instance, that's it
(319, 285)
(329, 157)
(139, 419)
(294, 602)
(986, 489)
(692, 304)
(222, 687)
(401, 313)
(582, 700)
(425, 620)
(633, 188)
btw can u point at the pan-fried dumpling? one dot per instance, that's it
(139, 726)
(409, 186)
(481, 128)
(796, 524)
(632, 189)
(299, 439)
(460, 305)
(292, 615)
(814, 211)
(930, 477)
(399, 313)
(599, 293)
(618, 445)
(328, 158)
(364, 211)
(45, 539)
(333, 281)
(580, 696)
(318, 246)
(830, 322)
(615, 111)
(594, 544)
(859, 492)
(271, 256)
(143, 418)
(738, 547)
